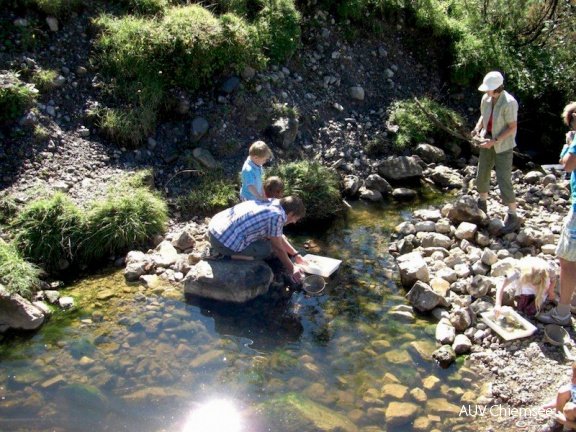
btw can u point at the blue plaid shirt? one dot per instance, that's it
(243, 224)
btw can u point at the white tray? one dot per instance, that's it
(322, 266)
(527, 329)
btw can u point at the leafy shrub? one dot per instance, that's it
(415, 126)
(279, 29)
(126, 218)
(315, 184)
(213, 193)
(48, 230)
(16, 274)
(145, 7)
(15, 96)
(56, 8)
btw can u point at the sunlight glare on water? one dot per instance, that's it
(215, 416)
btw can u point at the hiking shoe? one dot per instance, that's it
(552, 426)
(552, 317)
(483, 205)
(511, 223)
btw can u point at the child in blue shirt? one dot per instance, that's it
(252, 172)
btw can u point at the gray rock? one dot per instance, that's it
(444, 355)
(460, 319)
(400, 168)
(376, 182)
(464, 209)
(199, 128)
(412, 268)
(205, 157)
(52, 23)
(445, 332)
(351, 184)
(18, 313)
(466, 230)
(284, 131)
(164, 255)
(533, 177)
(369, 194)
(404, 194)
(230, 281)
(230, 85)
(424, 298)
(430, 153)
(480, 286)
(462, 344)
(356, 93)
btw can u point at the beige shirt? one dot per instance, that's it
(505, 112)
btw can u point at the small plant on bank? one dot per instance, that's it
(315, 184)
(17, 275)
(415, 126)
(212, 194)
(45, 79)
(15, 96)
(128, 217)
(48, 231)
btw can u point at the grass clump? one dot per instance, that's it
(128, 217)
(315, 184)
(48, 231)
(212, 194)
(279, 29)
(413, 126)
(17, 275)
(45, 79)
(15, 96)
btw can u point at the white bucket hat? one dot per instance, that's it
(491, 81)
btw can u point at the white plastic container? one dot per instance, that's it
(322, 266)
(524, 327)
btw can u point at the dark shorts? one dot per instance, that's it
(527, 304)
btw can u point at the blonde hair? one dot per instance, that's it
(568, 112)
(535, 272)
(260, 149)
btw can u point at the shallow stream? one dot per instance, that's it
(133, 360)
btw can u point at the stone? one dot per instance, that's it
(400, 413)
(444, 355)
(446, 177)
(376, 182)
(418, 395)
(504, 266)
(199, 128)
(356, 93)
(423, 297)
(205, 158)
(184, 240)
(464, 209)
(232, 281)
(18, 313)
(429, 153)
(466, 230)
(369, 194)
(404, 194)
(480, 286)
(230, 85)
(445, 332)
(351, 184)
(412, 268)
(462, 344)
(489, 257)
(284, 131)
(164, 255)
(395, 391)
(52, 23)
(460, 319)
(399, 168)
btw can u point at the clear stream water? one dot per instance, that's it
(127, 359)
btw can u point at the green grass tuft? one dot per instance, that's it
(17, 275)
(212, 194)
(15, 96)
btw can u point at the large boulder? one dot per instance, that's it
(400, 168)
(447, 177)
(18, 313)
(424, 298)
(464, 209)
(412, 268)
(230, 281)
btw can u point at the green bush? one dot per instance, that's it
(212, 194)
(58, 7)
(315, 184)
(15, 96)
(17, 275)
(279, 29)
(48, 231)
(145, 7)
(126, 218)
(415, 126)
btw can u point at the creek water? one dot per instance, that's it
(132, 359)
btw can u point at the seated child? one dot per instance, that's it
(564, 405)
(274, 187)
(533, 282)
(252, 172)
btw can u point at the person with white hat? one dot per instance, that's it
(495, 133)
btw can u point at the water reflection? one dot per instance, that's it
(215, 416)
(151, 361)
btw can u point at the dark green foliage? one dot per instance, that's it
(15, 96)
(17, 275)
(315, 184)
(415, 126)
(145, 7)
(48, 231)
(213, 193)
(125, 219)
(279, 29)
